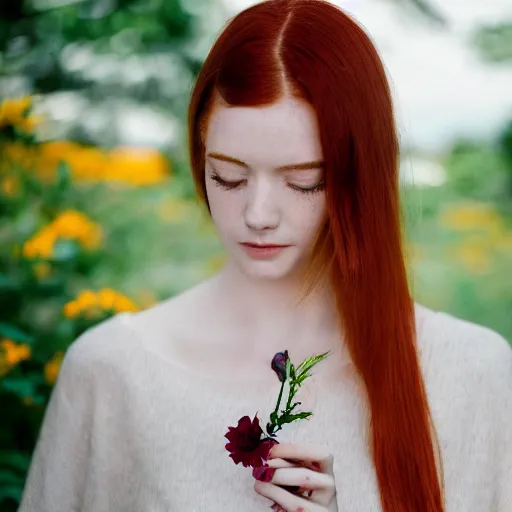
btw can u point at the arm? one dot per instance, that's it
(58, 471)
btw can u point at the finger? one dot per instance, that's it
(289, 502)
(303, 478)
(280, 463)
(321, 485)
(304, 454)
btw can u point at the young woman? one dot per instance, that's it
(294, 150)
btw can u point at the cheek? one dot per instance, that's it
(224, 208)
(309, 215)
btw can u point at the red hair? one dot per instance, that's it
(314, 51)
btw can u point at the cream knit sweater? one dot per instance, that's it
(127, 430)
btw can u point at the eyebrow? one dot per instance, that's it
(317, 164)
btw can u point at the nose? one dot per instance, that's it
(261, 210)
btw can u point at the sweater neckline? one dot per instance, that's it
(343, 361)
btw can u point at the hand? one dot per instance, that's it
(306, 468)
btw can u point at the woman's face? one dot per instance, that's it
(264, 182)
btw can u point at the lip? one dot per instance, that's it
(262, 246)
(262, 251)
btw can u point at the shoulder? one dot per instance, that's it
(97, 342)
(453, 349)
(115, 338)
(95, 352)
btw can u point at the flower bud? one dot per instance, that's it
(279, 364)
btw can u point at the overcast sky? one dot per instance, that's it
(441, 89)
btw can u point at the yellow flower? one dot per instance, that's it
(75, 225)
(471, 216)
(11, 353)
(87, 299)
(124, 304)
(40, 245)
(30, 123)
(42, 270)
(90, 304)
(474, 255)
(70, 225)
(107, 298)
(52, 367)
(71, 309)
(92, 238)
(175, 209)
(10, 185)
(137, 166)
(16, 113)
(131, 165)
(18, 154)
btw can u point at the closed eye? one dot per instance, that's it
(228, 185)
(232, 185)
(308, 190)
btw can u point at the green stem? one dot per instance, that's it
(290, 398)
(279, 398)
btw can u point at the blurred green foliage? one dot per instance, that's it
(67, 228)
(494, 42)
(460, 235)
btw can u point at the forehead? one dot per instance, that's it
(282, 133)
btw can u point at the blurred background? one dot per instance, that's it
(97, 207)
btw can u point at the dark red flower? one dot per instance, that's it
(279, 364)
(245, 443)
(263, 473)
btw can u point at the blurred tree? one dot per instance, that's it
(494, 42)
(425, 8)
(123, 51)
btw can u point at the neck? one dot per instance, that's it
(273, 318)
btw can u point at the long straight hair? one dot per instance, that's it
(312, 50)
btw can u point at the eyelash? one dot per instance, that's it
(232, 185)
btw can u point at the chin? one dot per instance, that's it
(267, 270)
(265, 274)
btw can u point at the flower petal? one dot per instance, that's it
(263, 473)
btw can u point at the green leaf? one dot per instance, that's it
(9, 282)
(292, 372)
(63, 176)
(21, 387)
(293, 406)
(10, 478)
(18, 462)
(288, 368)
(15, 334)
(12, 492)
(308, 363)
(288, 418)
